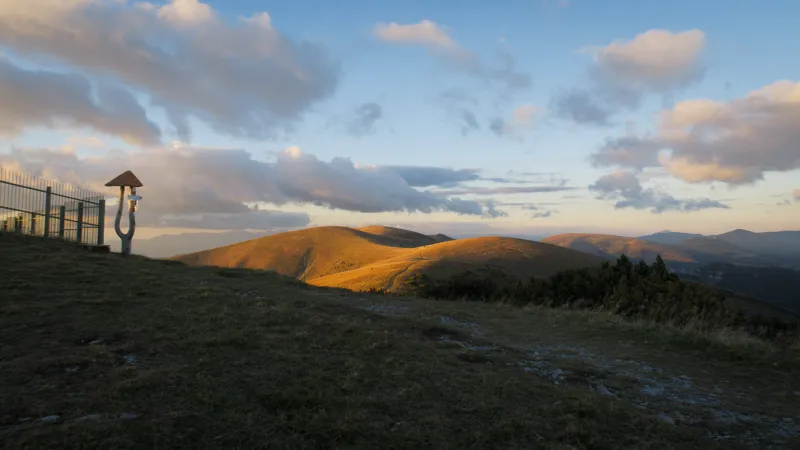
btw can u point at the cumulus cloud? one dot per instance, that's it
(629, 193)
(657, 60)
(365, 116)
(425, 32)
(623, 72)
(53, 99)
(242, 78)
(201, 185)
(734, 142)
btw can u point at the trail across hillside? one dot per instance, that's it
(727, 400)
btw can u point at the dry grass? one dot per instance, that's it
(137, 353)
(384, 258)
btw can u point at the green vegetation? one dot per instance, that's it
(635, 291)
(777, 285)
(100, 351)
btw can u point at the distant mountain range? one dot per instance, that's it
(760, 265)
(681, 250)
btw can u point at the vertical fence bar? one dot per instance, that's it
(48, 205)
(62, 220)
(79, 231)
(101, 221)
(33, 224)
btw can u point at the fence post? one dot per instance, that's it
(33, 224)
(18, 224)
(101, 221)
(5, 225)
(79, 231)
(47, 206)
(62, 220)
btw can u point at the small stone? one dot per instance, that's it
(89, 417)
(653, 391)
(72, 369)
(130, 359)
(24, 419)
(666, 419)
(97, 341)
(51, 419)
(602, 390)
(128, 416)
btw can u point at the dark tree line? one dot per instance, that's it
(633, 290)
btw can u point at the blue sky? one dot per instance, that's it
(671, 78)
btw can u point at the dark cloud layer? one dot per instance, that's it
(629, 193)
(208, 186)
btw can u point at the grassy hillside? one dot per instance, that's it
(669, 237)
(304, 254)
(385, 258)
(776, 285)
(99, 351)
(412, 238)
(611, 247)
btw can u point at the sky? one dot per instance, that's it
(511, 117)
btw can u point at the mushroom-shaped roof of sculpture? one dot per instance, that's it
(126, 178)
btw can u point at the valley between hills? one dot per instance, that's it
(387, 259)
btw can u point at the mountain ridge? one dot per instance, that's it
(384, 258)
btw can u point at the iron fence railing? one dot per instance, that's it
(37, 206)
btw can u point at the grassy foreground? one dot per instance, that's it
(99, 351)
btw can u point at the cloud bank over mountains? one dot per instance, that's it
(734, 142)
(204, 188)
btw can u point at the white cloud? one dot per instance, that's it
(629, 193)
(66, 100)
(186, 12)
(734, 142)
(657, 59)
(656, 62)
(425, 32)
(195, 185)
(242, 78)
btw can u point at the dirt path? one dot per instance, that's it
(728, 403)
(390, 282)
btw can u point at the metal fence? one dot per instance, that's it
(37, 206)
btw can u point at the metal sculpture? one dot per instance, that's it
(126, 180)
